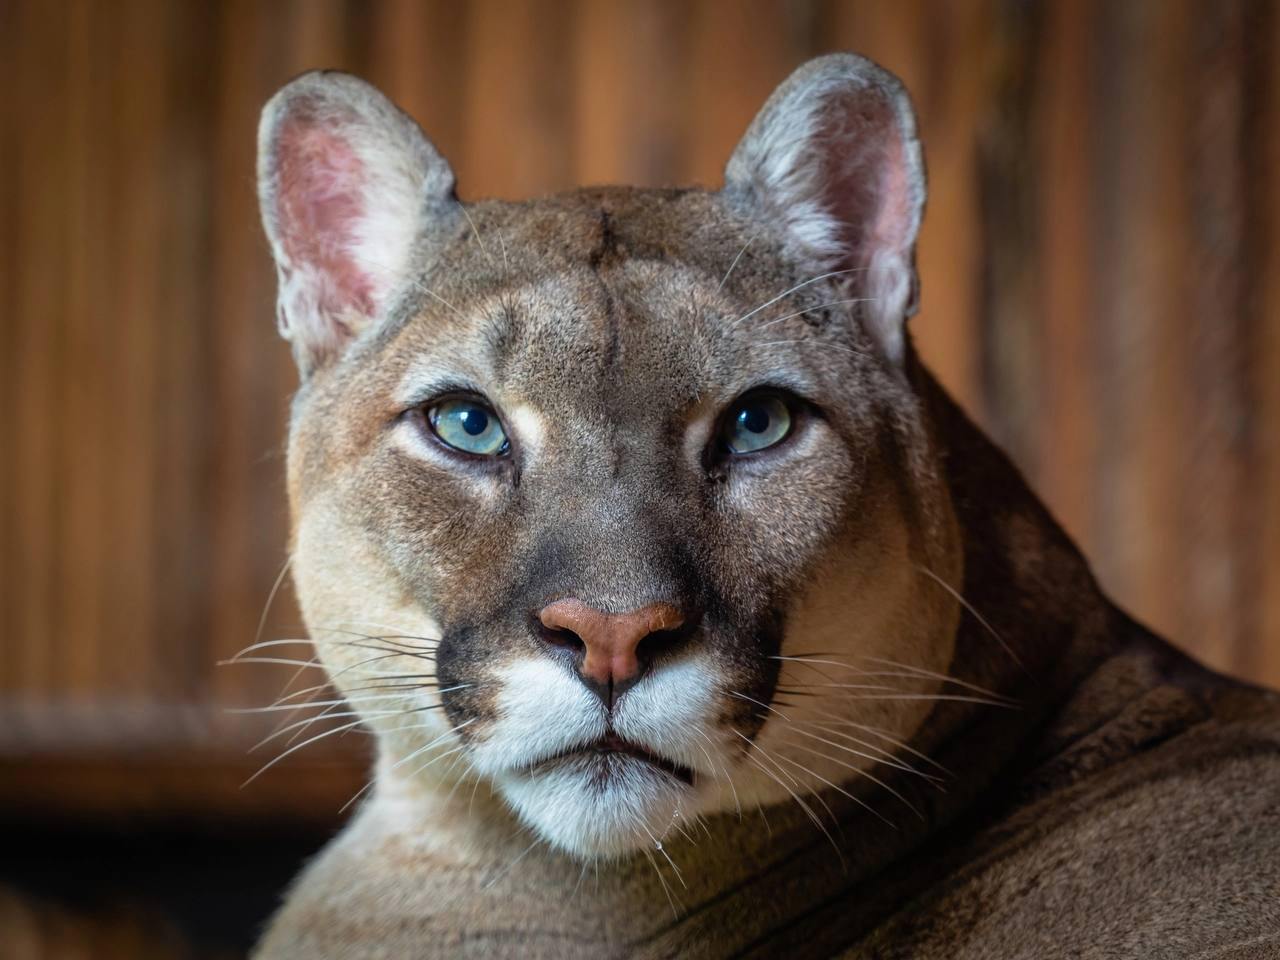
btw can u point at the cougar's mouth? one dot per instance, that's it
(599, 754)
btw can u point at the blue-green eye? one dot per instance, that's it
(469, 426)
(755, 423)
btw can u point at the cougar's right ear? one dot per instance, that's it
(347, 184)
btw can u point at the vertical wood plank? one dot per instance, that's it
(1259, 658)
(1064, 139)
(736, 55)
(39, 306)
(517, 85)
(1140, 260)
(1215, 484)
(10, 243)
(182, 506)
(251, 42)
(82, 421)
(629, 84)
(139, 83)
(418, 60)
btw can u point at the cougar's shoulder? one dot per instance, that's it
(1148, 825)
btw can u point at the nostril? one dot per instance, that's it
(654, 645)
(558, 636)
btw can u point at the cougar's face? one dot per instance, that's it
(598, 499)
(619, 501)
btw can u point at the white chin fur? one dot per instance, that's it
(594, 805)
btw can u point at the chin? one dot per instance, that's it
(601, 801)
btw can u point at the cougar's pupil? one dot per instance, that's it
(754, 419)
(474, 421)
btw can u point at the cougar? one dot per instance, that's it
(692, 618)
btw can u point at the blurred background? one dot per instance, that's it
(1101, 272)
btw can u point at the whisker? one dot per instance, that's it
(476, 232)
(471, 807)
(768, 755)
(663, 880)
(271, 763)
(470, 771)
(825, 344)
(885, 735)
(288, 662)
(847, 686)
(436, 759)
(946, 678)
(356, 796)
(803, 806)
(511, 865)
(328, 715)
(657, 845)
(263, 644)
(398, 639)
(882, 755)
(923, 696)
(418, 752)
(859, 771)
(724, 768)
(821, 306)
(506, 264)
(906, 671)
(743, 696)
(328, 683)
(866, 756)
(581, 876)
(733, 265)
(271, 597)
(395, 633)
(968, 606)
(866, 806)
(787, 293)
(422, 288)
(274, 708)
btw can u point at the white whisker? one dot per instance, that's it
(821, 306)
(733, 265)
(968, 606)
(787, 293)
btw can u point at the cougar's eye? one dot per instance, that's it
(469, 426)
(756, 422)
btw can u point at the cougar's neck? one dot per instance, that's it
(1035, 620)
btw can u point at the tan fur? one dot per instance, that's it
(609, 328)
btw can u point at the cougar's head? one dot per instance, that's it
(621, 501)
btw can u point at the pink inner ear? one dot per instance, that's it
(867, 184)
(320, 206)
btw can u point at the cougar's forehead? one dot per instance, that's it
(608, 308)
(588, 347)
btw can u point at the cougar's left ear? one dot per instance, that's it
(347, 184)
(834, 161)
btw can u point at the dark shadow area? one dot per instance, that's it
(212, 886)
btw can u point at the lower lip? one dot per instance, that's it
(614, 747)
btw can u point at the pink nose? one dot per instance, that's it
(611, 640)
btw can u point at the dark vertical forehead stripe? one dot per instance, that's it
(608, 251)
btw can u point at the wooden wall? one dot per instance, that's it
(1101, 288)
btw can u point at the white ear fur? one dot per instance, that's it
(346, 183)
(834, 160)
